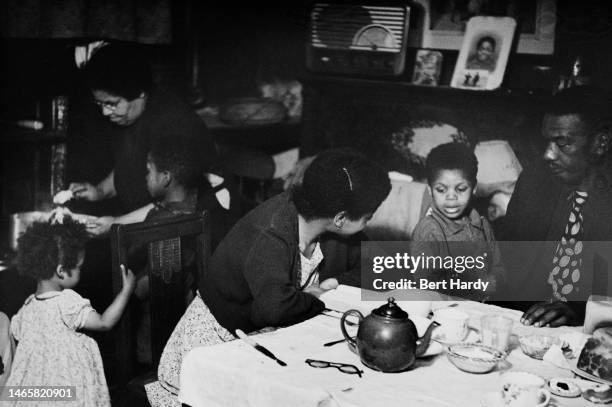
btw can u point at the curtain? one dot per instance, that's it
(144, 21)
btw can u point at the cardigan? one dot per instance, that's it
(252, 281)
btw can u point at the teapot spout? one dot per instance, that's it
(423, 341)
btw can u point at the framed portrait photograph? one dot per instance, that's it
(484, 53)
(444, 22)
(427, 67)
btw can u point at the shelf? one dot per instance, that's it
(400, 86)
(214, 123)
(270, 138)
(14, 135)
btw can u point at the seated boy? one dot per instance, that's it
(174, 175)
(177, 185)
(175, 180)
(452, 232)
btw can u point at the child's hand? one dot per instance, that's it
(129, 281)
(100, 226)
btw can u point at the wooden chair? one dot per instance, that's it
(163, 240)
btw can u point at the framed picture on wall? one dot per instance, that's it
(444, 22)
(484, 53)
(427, 67)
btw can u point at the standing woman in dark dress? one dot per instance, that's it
(133, 112)
(111, 132)
(272, 267)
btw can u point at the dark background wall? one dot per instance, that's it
(241, 46)
(236, 48)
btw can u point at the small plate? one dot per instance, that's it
(494, 399)
(586, 375)
(572, 391)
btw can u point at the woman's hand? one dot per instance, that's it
(100, 226)
(329, 284)
(86, 191)
(325, 285)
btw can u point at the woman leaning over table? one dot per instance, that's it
(274, 264)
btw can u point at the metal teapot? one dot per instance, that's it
(387, 340)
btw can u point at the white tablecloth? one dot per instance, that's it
(235, 374)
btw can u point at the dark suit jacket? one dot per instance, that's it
(538, 212)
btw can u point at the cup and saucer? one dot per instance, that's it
(496, 399)
(453, 326)
(518, 389)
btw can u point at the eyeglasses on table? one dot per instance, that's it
(343, 367)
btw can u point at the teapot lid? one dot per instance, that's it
(390, 310)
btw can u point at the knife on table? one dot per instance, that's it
(259, 347)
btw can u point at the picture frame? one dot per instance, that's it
(427, 67)
(484, 53)
(537, 22)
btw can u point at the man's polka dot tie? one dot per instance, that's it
(567, 260)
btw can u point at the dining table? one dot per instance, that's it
(235, 374)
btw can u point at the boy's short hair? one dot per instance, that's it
(180, 157)
(452, 156)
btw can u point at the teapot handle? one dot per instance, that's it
(348, 338)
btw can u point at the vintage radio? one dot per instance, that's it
(358, 39)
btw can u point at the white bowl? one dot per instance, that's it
(474, 358)
(536, 346)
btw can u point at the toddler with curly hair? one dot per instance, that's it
(52, 350)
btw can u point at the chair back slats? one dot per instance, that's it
(168, 283)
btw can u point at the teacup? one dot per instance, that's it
(417, 308)
(522, 389)
(453, 325)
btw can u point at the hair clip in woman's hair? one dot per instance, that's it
(350, 182)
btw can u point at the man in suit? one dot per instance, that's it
(564, 204)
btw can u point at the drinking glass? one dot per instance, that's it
(496, 330)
